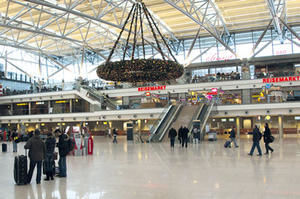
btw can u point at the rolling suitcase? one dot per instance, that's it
(20, 170)
(227, 143)
(4, 147)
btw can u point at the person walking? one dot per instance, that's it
(115, 136)
(256, 138)
(37, 153)
(172, 136)
(195, 135)
(14, 137)
(232, 137)
(184, 136)
(49, 160)
(268, 139)
(180, 134)
(63, 150)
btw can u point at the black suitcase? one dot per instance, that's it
(4, 147)
(20, 170)
(227, 143)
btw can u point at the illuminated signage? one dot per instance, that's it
(61, 102)
(38, 103)
(152, 88)
(148, 94)
(281, 79)
(22, 104)
(214, 91)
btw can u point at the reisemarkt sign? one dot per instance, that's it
(281, 79)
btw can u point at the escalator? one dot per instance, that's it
(185, 117)
(159, 129)
(104, 100)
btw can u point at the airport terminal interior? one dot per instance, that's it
(150, 99)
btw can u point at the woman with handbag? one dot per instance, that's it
(268, 138)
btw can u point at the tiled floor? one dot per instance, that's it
(127, 170)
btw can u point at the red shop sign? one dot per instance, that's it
(152, 88)
(281, 79)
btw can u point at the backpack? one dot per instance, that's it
(71, 144)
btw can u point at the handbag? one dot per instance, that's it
(272, 138)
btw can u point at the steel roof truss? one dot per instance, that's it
(204, 23)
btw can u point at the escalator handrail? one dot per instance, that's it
(169, 122)
(206, 116)
(159, 121)
(96, 95)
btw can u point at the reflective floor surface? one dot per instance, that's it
(136, 170)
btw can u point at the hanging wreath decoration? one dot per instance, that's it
(140, 70)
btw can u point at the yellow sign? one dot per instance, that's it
(22, 104)
(61, 102)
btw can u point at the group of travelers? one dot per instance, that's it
(257, 135)
(183, 135)
(43, 153)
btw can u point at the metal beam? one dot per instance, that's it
(39, 32)
(275, 16)
(290, 29)
(197, 20)
(74, 12)
(261, 36)
(17, 67)
(198, 56)
(80, 14)
(262, 48)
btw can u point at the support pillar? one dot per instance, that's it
(29, 108)
(11, 109)
(238, 128)
(49, 107)
(140, 126)
(280, 127)
(71, 105)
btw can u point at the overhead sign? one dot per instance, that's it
(148, 94)
(152, 88)
(281, 79)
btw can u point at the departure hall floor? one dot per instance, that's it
(141, 171)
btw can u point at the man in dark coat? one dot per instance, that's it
(267, 139)
(63, 150)
(185, 132)
(37, 151)
(232, 137)
(256, 138)
(172, 135)
(49, 160)
(180, 134)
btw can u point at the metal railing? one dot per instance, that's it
(160, 120)
(100, 97)
(169, 122)
(206, 116)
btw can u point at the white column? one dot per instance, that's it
(280, 126)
